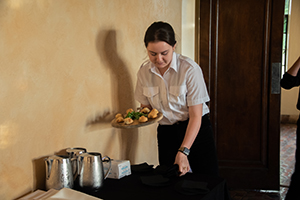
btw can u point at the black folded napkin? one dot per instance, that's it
(161, 176)
(155, 180)
(188, 187)
(141, 168)
(167, 171)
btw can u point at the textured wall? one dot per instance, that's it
(66, 67)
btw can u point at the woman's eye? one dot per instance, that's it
(153, 54)
(164, 53)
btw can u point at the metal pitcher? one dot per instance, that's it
(73, 155)
(75, 152)
(59, 173)
(91, 171)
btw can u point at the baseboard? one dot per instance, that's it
(289, 119)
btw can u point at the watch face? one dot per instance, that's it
(184, 150)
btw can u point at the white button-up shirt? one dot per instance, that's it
(181, 86)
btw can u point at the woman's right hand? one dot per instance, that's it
(182, 161)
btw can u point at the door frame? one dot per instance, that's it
(271, 180)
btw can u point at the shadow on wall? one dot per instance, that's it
(122, 90)
(123, 97)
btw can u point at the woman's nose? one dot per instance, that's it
(159, 57)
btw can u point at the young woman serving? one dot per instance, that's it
(174, 85)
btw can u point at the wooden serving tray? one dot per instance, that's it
(136, 122)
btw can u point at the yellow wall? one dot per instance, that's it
(66, 68)
(289, 97)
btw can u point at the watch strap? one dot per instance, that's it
(184, 150)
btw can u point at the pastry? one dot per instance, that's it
(128, 120)
(118, 115)
(153, 114)
(143, 119)
(129, 110)
(145, 110)
(120, 119)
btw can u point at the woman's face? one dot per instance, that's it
(160, 54)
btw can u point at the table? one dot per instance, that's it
(132, 188)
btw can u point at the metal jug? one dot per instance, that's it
(75, 152)
(73, 155)
(59, 173)
(91, 171)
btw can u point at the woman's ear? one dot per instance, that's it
(174, 47)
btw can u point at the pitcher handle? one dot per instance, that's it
(48, 162)
(74, 167)
(109, 169)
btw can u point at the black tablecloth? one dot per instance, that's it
(132, 188)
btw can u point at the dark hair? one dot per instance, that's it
(160, 31)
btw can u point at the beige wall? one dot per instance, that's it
(188, 28)
(289, 97)
(66, 68)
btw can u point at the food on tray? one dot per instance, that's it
(153, 114)
(129, 110)
(142, 116)
(143, 119)
(145, 110)
(128, 120)
(134, 119)
(120, 119)
(135, 115)
(118, 115)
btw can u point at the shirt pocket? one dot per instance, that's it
(177, 94)
(152, 94)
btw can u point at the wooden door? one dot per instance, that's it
(240, 48)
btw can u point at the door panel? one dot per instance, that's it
(239, 41)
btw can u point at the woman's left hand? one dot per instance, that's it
(183, 163)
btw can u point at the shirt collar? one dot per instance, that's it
(173, 65)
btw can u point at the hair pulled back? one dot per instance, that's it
(160, 31)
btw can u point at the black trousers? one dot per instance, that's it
(202, 157)
(293, 192)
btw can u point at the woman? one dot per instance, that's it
(289, 80)
(174, 85)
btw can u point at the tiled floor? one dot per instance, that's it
(287, 162)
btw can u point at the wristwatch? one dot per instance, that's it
(184, 150)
